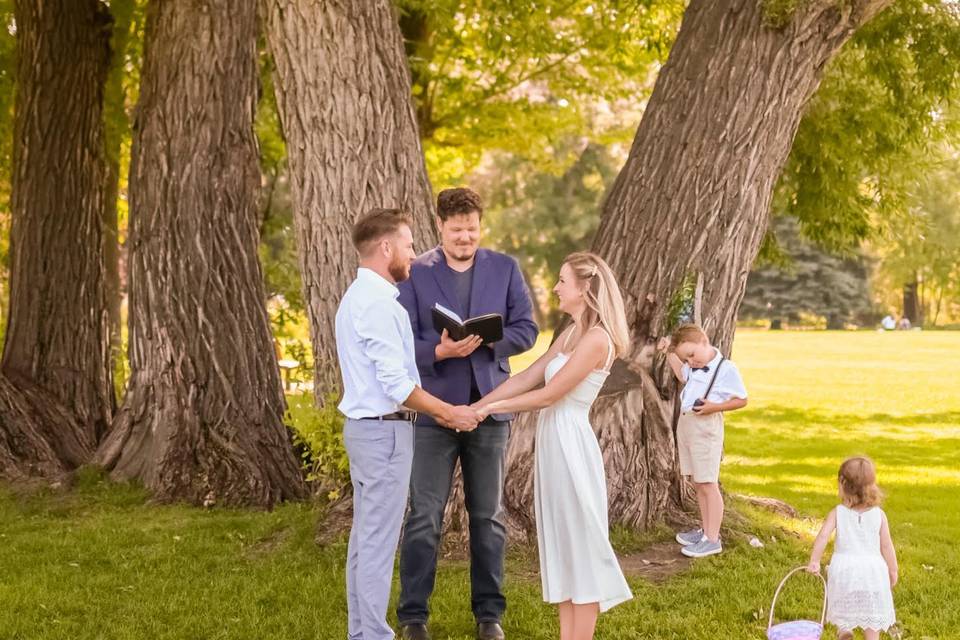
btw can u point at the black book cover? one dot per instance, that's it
(489, 327)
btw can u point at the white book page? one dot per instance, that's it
(447, 312)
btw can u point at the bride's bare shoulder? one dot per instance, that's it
(594, 342)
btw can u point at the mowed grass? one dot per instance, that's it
(818, 397)
(100, 561)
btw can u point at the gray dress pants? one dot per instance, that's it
(381, 455)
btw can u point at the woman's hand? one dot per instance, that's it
(485, 410)
(814, 567)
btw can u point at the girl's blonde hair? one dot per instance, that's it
(858, 483)
(603, 298)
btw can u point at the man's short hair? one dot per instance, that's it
(375, 225)
(459, 201)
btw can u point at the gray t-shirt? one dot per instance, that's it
(463, 283)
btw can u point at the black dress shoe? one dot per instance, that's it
(490, 631)
(415, 631)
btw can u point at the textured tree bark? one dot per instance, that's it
(343, 92)
(56, 394)
(202, 419)
(693, 197)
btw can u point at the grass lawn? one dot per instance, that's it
(99, 561)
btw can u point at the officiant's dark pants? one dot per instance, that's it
(482, 454)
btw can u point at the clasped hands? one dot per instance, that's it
(462, 418)
(466, 418)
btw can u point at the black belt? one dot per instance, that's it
(404, 416)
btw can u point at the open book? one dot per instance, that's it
(489, 327)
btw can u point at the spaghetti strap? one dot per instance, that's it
(611, 350)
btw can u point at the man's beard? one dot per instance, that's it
(463, 253)
(399, 269)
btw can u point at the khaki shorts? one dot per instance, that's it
(700, 442)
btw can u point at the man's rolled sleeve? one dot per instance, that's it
(383, 344)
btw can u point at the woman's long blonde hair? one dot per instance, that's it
(603, 298)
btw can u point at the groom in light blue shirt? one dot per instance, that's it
(381, 391)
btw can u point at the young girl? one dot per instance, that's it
(864, 565)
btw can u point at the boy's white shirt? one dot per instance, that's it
(729, 384)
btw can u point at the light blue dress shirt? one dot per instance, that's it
(375, 347)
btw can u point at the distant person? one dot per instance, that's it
(904, 324)
(863, 569)
(888, 322)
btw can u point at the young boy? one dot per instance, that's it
(711, 385)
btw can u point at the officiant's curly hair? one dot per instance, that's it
(458, 201)
(603, 298)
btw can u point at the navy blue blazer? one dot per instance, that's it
(498, 287)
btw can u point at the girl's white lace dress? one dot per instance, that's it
(858, 583)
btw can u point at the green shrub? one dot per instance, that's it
(318, 438)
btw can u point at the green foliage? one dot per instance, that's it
(8, 45)
(777, 13)
(278, 241)
(682, 307)
(319, 438)
(866, 135)
(540, 217)
(520, 76)
(121, 94)
(808, 281)
(924, 246)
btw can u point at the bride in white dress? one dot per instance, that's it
(578, 567)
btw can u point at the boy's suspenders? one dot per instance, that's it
(714, 378)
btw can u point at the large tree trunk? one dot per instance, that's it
(343, 92)
(202, 420)
(694, 197)
(56, 396)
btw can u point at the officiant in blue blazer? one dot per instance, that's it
(470, 281)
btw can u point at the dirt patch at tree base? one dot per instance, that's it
(656, 563)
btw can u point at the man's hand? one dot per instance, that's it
(450, 348)
(463, 418)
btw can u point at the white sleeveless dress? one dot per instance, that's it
(858, 583)
(577, 562)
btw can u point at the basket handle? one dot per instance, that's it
(823, 612)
